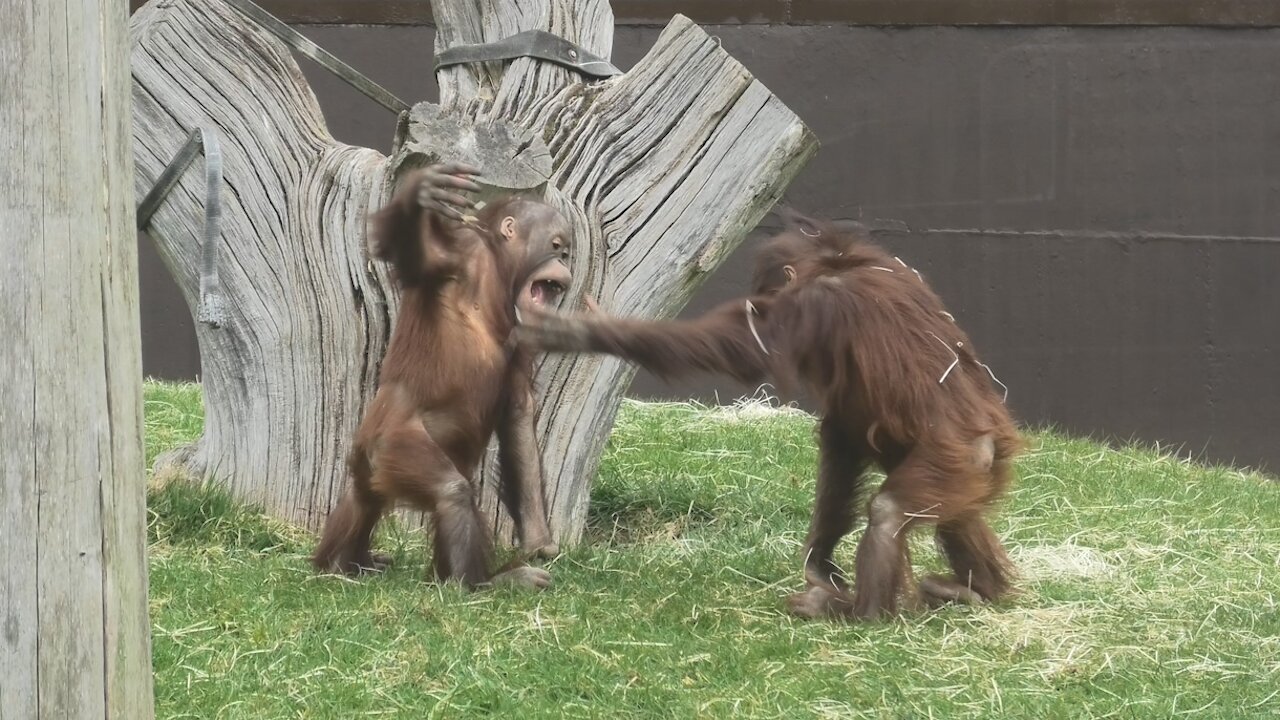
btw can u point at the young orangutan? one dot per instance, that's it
(451, 377)
(898, 384)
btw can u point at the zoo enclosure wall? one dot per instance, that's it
(1094, 189)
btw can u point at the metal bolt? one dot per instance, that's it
(573, 54)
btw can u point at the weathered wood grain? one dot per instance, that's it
(74, 633)
(286, 375)
(662, 171)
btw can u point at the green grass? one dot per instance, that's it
(1150, 589)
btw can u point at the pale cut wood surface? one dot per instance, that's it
(662, 172)
(74, 633)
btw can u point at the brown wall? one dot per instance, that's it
(1100, 206)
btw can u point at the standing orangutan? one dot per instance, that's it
(451, 377)
(898, 384)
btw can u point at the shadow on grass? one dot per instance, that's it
(190, 514)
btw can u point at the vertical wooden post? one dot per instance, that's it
(73, 579)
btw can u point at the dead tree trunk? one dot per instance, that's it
(662, 170)
(73, 574)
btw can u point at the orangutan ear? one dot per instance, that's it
(790, 272)
(508, 228)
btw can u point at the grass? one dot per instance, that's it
(1150, 589)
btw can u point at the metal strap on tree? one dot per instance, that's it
(322, 57)
(211, 310)
(538, 44)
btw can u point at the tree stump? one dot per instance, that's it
(662, 171)
(74, 633)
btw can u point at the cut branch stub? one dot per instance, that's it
(511, 158)
(661, 171)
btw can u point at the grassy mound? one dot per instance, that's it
(1149, 589)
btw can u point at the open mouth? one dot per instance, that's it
(546, 292)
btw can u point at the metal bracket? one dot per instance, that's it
(322, 57)
(212, 308)
(530, 43)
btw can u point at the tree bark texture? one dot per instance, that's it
(74, 632)
(662, 171)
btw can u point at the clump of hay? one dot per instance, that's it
(1056, 562)
(760, 405)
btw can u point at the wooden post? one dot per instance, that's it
(662, 171)
(73, 575)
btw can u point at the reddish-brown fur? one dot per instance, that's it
(450, 378)
(870, 341)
